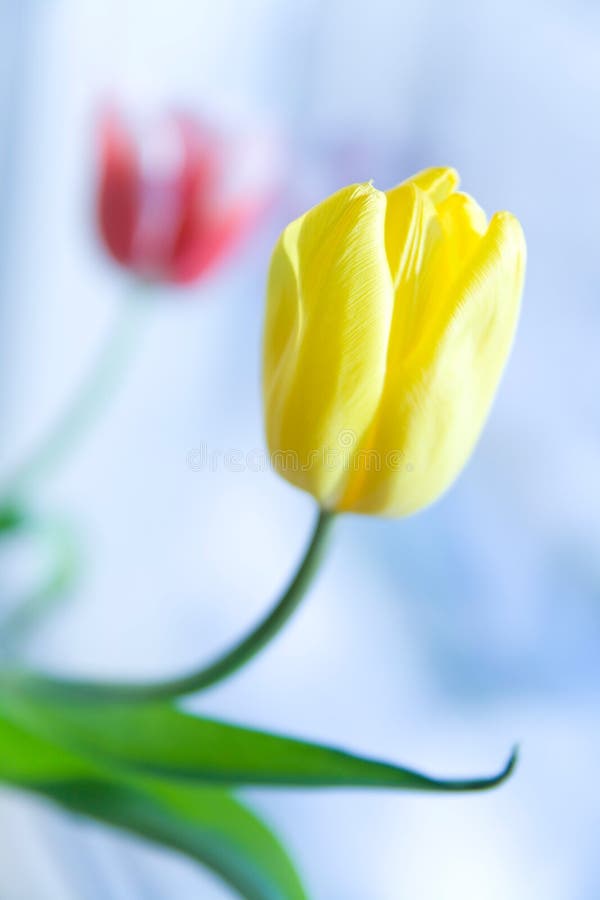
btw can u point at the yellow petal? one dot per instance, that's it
(438, 182)
(329, 308)
(462, 223)
(428, 247)
(434, 405)
(411, 224)
(413, 245)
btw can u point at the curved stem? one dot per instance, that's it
(41, 601)
(100, 383)
(224, 665)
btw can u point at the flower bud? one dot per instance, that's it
(165, 205)
(389, 320)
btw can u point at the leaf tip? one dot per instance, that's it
(511, 765)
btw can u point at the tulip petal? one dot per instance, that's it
(329, 309)
(434, 405)
(463, 224)
(437, 182)
(204, 229)
(428, 247)
(410, 216)
(119, 188)
(413, 245)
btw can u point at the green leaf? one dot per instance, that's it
(159, 772)
(206, 824)
(27, 758)
(161, 740)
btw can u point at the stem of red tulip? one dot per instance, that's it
(36, 606)
(224, 666)
(104, 377)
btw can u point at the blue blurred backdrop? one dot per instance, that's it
(436, 641)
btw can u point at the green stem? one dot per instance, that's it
(224, 665)
(42, 600)
(93, 395)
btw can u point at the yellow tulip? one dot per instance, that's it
(389, 320)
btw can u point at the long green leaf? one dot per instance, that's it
(206, 824)
(161, 740)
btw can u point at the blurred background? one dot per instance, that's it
(435, 641)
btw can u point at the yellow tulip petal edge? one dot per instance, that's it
(390, 317)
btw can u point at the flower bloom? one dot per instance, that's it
(389, 319)
(168, 207)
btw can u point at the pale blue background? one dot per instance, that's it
(435, 641)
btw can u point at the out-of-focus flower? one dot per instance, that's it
(170, 205)
(389, 320)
